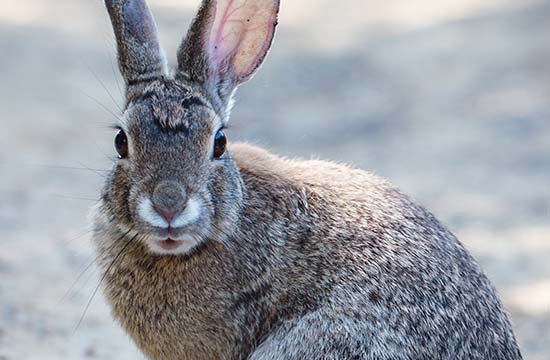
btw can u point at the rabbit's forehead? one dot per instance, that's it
(169, 118)
(158, 151)
(172, 107)
(171, 130)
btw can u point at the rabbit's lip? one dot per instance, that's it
(174, 234)
(169, 244)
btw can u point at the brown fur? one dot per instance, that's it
(328, 239)
(291, 259)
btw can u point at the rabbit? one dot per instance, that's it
(211, 250)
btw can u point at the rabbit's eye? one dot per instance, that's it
(220, 141)
(121, 144)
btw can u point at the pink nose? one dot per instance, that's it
(167, 215)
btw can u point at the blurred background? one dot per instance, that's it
(449, 99)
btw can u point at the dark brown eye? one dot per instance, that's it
(220, 141)
(121, 144)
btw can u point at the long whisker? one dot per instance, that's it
(92, 170)
(79, 236)
(61, 167)
(101, 105)
(105, 275)
(86, 268)
(71, 197)
(78, 278)
(103, 85)
(115, 76)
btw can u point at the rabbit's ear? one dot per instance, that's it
(139, 54)
(227, 42)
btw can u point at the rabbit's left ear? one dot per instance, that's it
(226, 43)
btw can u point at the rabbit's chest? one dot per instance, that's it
(173, 314)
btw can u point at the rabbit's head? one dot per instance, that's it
(175, 184)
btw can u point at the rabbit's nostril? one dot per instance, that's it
(167, 215)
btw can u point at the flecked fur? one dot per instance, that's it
(297, 259)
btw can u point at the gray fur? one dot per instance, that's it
(296, 259)
(139, 53)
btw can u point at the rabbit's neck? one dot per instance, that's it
(197, 307)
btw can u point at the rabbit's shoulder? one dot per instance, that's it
(314, 174)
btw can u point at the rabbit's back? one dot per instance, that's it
(365, 269)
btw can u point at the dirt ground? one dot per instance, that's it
(448, 99)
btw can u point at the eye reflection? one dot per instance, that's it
(220, 142)
(121, 144)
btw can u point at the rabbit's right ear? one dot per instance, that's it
(140, 56)
(226, 44)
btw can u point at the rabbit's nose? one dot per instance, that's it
(169, 199)
(167, 215)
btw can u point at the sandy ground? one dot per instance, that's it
(448, 99)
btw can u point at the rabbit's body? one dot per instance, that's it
(327, 262)
(210, 254)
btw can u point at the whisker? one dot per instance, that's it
(101, 105)
(84, 270)
(71, 197)
(115, 76)
(105, 275)
(103, 85)
(92, 170)
(110, 53)
(80, 275)
(62, 167)
(70, 241)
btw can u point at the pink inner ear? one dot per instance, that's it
(241, 34)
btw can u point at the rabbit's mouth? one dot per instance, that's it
(177, 234)
(172, 245)
(169, 244)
